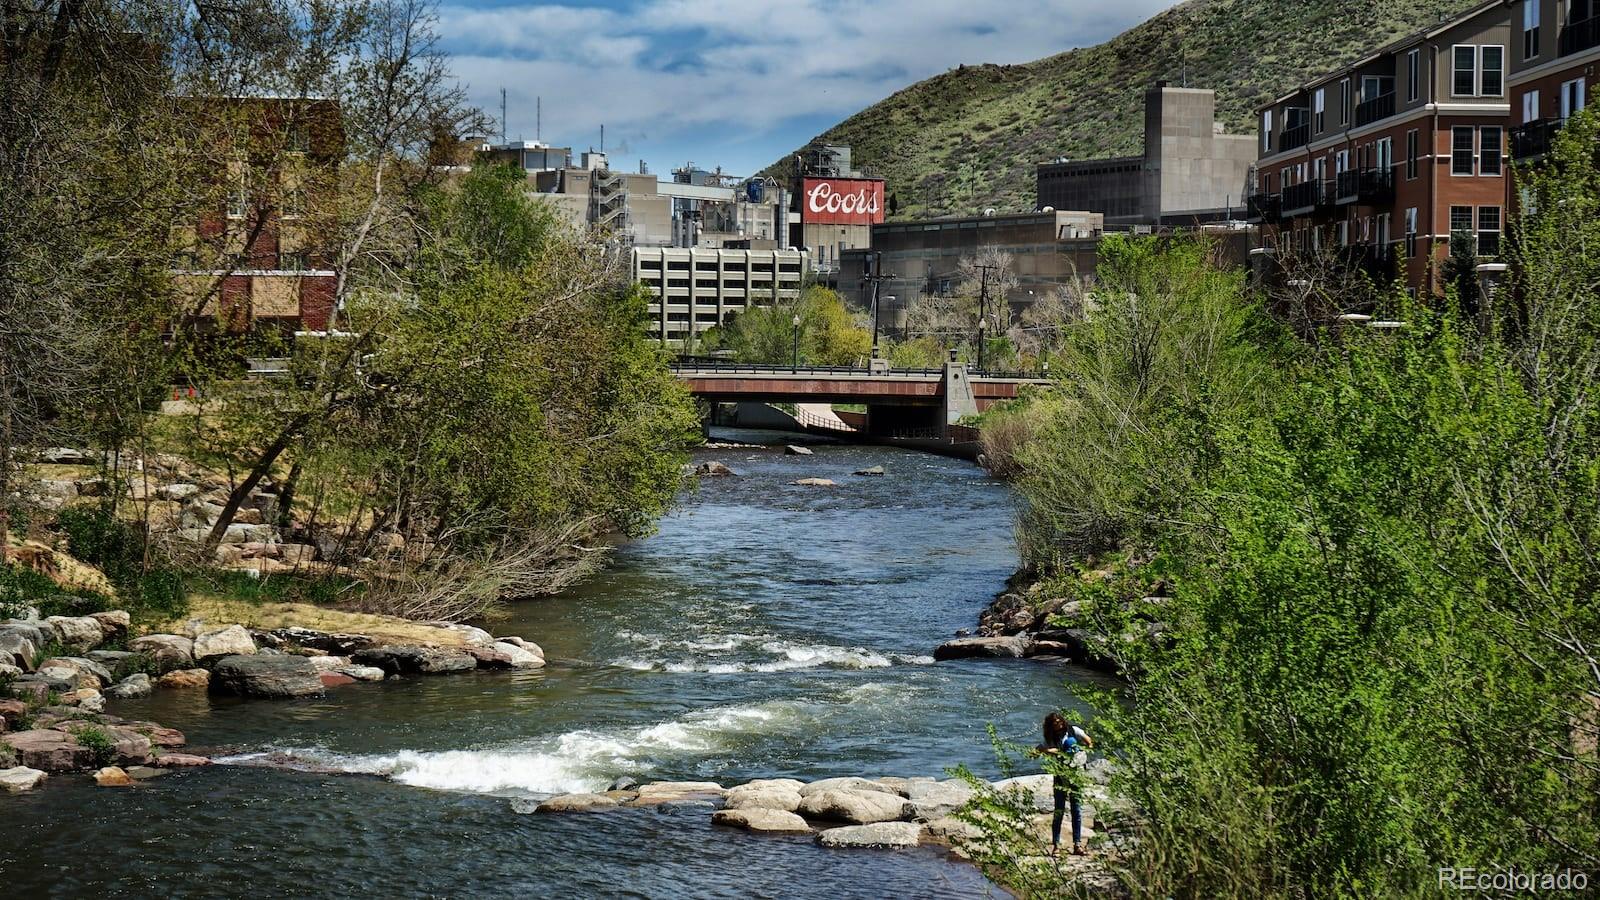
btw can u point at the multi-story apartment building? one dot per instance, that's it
(260, 257)
(1387, 157)
(693, 290)
(1555, 49)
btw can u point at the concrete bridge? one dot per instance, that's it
(897, 401)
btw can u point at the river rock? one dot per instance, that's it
(489, 656)
(934, 800)
(522, 657)
(854, 807)
(335, 643)
(1040, 788)
(19, 779)
(12, 712)
(952, 831)
(71, 675)
(363, 673)
(145, 773)
(113, 623)
(409, 659)
(879, 835)
(18, 647)
(334, 679)
(81, 633)
(133, 687)
(186, 679)
(328, 663)
(875, 470)
(668, 791)
(761, 821)
(750, 797)
(797, 450)
(849, 783)
(468, 633)
(529, 646)
(8, 671)
(979, 647)
(86, 699)
(113, 776)
(815, 482)
(180, 761)
(268, 677)
(83, 666)
(178, 492)
(34, 692)
(120, 663)
(49, 750)
(233, 640)
(623, 783)
(714, 469)
(568, 803)
(165, 651)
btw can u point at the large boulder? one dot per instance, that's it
(979, 647)
(49, 750)
(133, 687)
(937, 799)
(81, 633)
(568, 803)
(233, 640)
(815, 482)
(86, 699)
(713, 469)
(411, 659)
(71, 675)
(113, 776)
(113, 624)
(19, 779)
(879, 835)
(761, 821)
(267, 677)
(120, 663)
(18, 648)
(363, 673)
(333, 643)
(671, 791)
(848, 783)
(521, 657)
(1039, 789)
(83, 666)
(186, 679)
(763, 797)
(165, 651)
(12, 712)
(854, 807)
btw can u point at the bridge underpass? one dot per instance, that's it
(898, 402)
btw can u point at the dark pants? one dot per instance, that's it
(1064, 795)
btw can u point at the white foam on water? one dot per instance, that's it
(576, 761)
(785, 656)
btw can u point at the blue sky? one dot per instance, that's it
(737, 83)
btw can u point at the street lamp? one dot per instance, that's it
(794, 368)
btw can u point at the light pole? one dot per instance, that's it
(983, 306)
(794, 368)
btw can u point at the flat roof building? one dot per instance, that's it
(694, 289)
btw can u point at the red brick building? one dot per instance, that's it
(260, 256)
(1555, 50)
(1387, 157)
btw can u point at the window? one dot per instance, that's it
(1344, 233)
(1493, 81)
(293, 261)
(1266, 131)
(1341, 162)
(1491, 140)
(1317, 111)
(1488, 231)
(1530, 107)
(1413, 74)
(1411, 154)
(1383, 157)
(1321, 169)
(1382, 237)
(1464, 70)
(1530, 28)
(1572, 98)
(236, 193)
(1461, 150)
(1344, 102)
(1460, 220)
(1411, 231)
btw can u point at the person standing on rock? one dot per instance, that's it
(1071, 744)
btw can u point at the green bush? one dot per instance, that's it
(21, 587)
(97, 740)
(147, 589)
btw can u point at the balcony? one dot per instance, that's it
(1579, 36)
(1369, 186)
(1376, 260)
(1375, 109)
(1266, 207)
(1533, 140)
(1302, 199)
(1295, 138)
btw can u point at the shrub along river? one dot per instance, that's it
(767, 630)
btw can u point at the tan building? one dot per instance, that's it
(1394, 152)
(694, 289)
(1191, 170)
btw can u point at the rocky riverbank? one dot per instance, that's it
(1027, 620)
(59, 673)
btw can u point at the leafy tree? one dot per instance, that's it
(828, 334)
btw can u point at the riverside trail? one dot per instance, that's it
(768, 630)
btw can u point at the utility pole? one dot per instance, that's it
(875, 274)
(983, 306)
(503, 139)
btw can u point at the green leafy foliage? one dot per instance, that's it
(827, 334)
(99, 742)
(147, 588)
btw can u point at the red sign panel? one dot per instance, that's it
(841, 201)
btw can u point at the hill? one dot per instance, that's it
(970, 137)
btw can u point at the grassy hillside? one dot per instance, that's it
(970, 138)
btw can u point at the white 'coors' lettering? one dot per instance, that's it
(824, 199)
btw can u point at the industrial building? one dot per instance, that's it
(835, 206)
(694, 289)
(1191, 170)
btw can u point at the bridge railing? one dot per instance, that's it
(809, 419)
(730, 368)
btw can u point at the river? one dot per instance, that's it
(767, 630)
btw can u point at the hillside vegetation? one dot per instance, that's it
(970, 138)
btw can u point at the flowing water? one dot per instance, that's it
(767, 630)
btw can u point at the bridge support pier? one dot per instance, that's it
(959, 401)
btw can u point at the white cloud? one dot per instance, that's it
(712, 74)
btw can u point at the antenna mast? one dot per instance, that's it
(503, 138)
